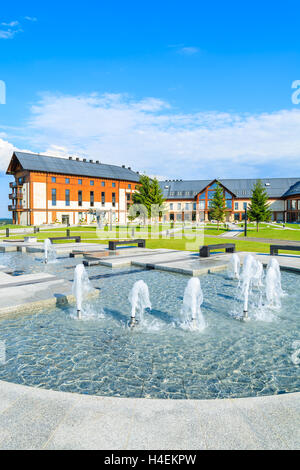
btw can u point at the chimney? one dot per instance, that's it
(97, 161)
(129, 168)
(77, 159)
(84, 160)
(70, 158)
(123, 166)
(91, 161)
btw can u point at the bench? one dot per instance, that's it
(275, 248)
(140, 242)
(76, 238)
(206, 249)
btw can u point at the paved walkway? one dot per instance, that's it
(32, 418)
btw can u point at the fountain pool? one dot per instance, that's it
(157, 358)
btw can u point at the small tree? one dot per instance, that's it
(259, 209)
(148, 194)
(217, 211)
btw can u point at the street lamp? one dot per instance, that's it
(246, 219)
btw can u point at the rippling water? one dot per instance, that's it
(159, 359)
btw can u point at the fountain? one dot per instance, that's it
(273, 263)
(246, 278)
(49, 252)
(233, 270)
(296, 354)
(192, 301)
(139, 299)
(273, 286)
(81, 287)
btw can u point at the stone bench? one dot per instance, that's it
(205, 250)
(140, 242)
(76, 238)
(275, 248)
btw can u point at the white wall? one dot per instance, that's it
(39, 195)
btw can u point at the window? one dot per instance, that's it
(229, 204)
(91, 183)
(171, 206)
(103, 198)
(128, 195)
(194, 206)
(114, 185)
(53, 197)
(202, 196)
(80, 198)
(20, 180)
(179, 206)
(53, 179)
(236, 206)
(79, 181)
(92, 198)
(113, 199)
(129, 186)
(67, 197)
(201, 205)
(102, 183)
(245, 205)
(67, 180)
(187, 206)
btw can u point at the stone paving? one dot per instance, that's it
(32, 418)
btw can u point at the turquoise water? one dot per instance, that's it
(103, 356)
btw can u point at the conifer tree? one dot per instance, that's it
(217, 211)
(259, 209)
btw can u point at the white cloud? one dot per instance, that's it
(8, 34)
(12, 28)
(11, 24)
(150, 136)
(188, 50)
(30, 18)
(6, 150)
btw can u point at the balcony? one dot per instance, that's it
(17, 195)
(15, 207)
(15, 184)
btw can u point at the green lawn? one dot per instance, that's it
(93, 235)
(274, 233)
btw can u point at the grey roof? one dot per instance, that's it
(35, 162)
(275, 187)
(293, 190)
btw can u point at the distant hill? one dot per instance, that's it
(6, 221)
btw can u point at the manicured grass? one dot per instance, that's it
(181, 244)
(11, 226)
(274, 234)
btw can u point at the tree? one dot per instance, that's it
(217, 211)
(157, 199)
(259, 209)
(148, 194)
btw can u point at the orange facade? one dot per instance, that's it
(93, 191)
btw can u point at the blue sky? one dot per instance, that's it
(177, 89)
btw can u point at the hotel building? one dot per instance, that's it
(50, 189)
(191, 200)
